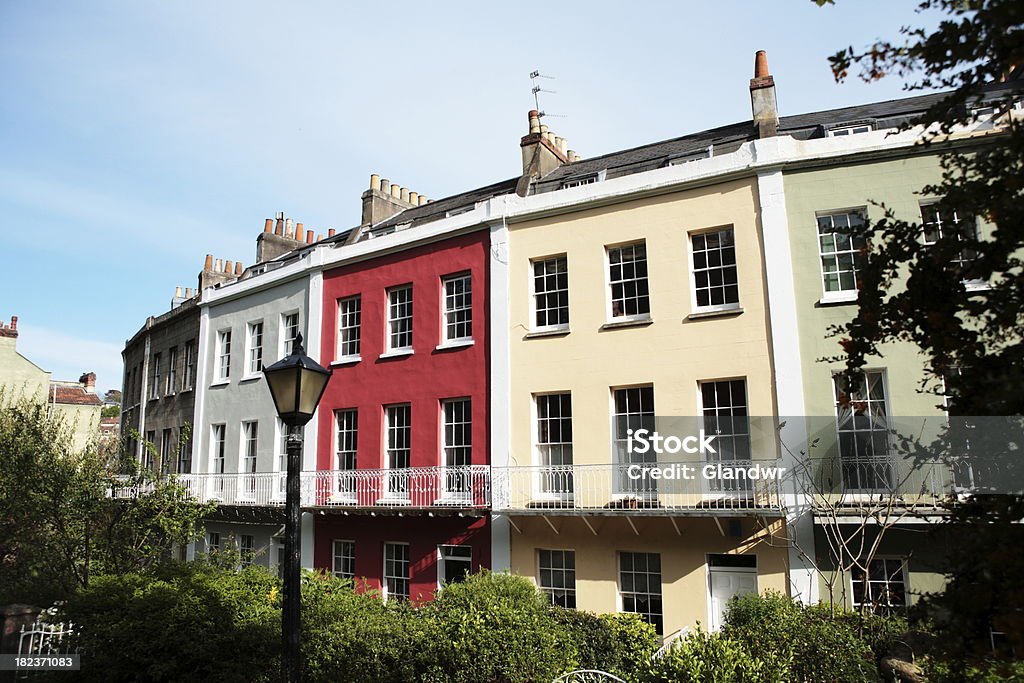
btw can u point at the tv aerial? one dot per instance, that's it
(537, 90)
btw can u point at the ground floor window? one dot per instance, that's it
(454, 562)
(640, 586)
(212, 542)
(396, 571)
(558, 576)
(344, 560)
(246, 549)
(881, 589)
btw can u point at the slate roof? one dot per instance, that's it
(73, 395)
(724, 139)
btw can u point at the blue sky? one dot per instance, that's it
(137, 137)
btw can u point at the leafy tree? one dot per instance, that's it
(915, 292)
(67, 516)
(110, 411)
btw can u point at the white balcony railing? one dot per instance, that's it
(857, 482)
(448, 487)
(465, 486)
(611, 488)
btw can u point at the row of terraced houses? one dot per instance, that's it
(491, 350)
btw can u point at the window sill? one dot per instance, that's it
(838, 298)
(634, 322)
(346, 360)
(249, 378)
(553, 332)
(397, 353)
(152, 398)
(220, 383)
(718, 313)
(453, 345)
(186, 391)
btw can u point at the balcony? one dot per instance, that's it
(465, 486)
(415, 487)
(884, 483)
(610, 489)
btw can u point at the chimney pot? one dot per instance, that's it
(423, 200)
(298, 230)
(404, 196)
(279, 226)
(374, 181)
(238, 267)
(319, 237)
(414, 198)
(309, 237)
(761, 64)
(330, 232)
(289, 228)
(385, 185)
(268, 225)
(14, 322)
(534, 121)
(208, 264)
(228, 267)
(177, 292)
(396, 191)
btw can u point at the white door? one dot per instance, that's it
(726, 583)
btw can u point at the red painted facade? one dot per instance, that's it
(422, 380)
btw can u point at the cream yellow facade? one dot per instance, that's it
(18, 375)
(673, 351)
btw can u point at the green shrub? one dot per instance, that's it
(991, 671)
(621, 644)
(494, 627)
(356, 637)
(820, 642)
(701, 657)
(180, 622)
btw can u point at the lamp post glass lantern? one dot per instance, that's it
(296, 383)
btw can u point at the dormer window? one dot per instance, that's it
(687, 157)
(850, 129)
(582, 180)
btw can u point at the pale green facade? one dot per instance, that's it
(848, 184)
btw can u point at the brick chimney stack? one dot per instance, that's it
(10, 331)
(279, 236)
(216, 272)
(763, 103)
(88, 380)
(384, 199)
(542, 153)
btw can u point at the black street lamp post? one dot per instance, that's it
(297, 383)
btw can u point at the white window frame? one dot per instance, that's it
(850, 129)
(347, 554)
(661, 585)
(248, 451)
(397, 480)
(567, 574)
(280, 458)
(840, 294)
(172, 372)
(246, 550)
(444, 555)
(885, 461)
(212, 542)
(189, 378)
(345, 318)
(456, 417)
(535, 294)
(609, 284)
(393, 320)
(731, 487)
(287, 342)
(166, 439)
(975, 283)
(712, 308)
(387, 576)
(450, 311)
(157, 377)
(223, 364)
(254, 333)
(904, 573)
(218, 457)
(346, 478)
(553, 481)
(644, 487)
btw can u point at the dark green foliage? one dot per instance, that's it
(817, 645)
(712, 658)
(59, 523)
(621, 644)
(181, 622)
